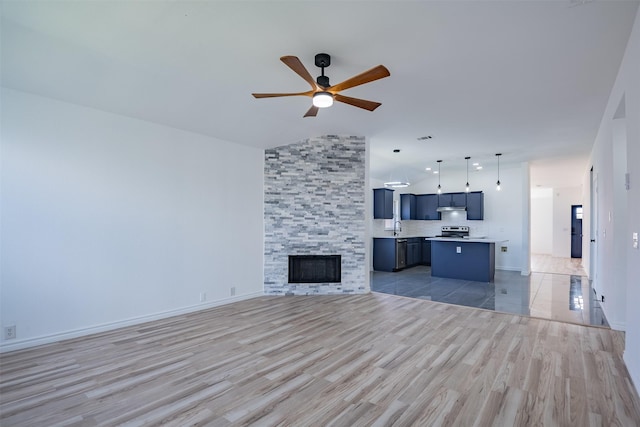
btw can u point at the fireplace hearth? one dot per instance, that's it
(315, 268)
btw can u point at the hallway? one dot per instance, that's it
(544, 263)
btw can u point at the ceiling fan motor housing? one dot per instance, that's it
(323, 81)
(323, 60)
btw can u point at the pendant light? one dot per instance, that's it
(399, 183)
(498, 182)
(466, 188)
(439, 187)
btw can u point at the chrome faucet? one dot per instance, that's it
(397, 227)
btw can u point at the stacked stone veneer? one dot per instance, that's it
(314, 205)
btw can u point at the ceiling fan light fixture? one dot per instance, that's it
(322, 99)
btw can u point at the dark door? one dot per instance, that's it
(576, 231)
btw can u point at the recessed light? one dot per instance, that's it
(478, 168)
(476, 164)
(435, 172)
(427, 169)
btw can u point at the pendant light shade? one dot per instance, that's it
(466, 188)
(498, 182)
(439, 187)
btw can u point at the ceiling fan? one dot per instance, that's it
(322, 93)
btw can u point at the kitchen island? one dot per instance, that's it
(464, 258)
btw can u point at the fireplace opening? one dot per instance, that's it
(315, 268)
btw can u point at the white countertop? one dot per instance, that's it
(469, 240)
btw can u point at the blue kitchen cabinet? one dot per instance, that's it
(426, 252)
(384, 254)
(457, 200)
(427, 207)
(444, 200)
(382, 203)
(414, 251)
(408, 206)
(475, 205)
(463, 260)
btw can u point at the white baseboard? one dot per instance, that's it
(7, 346)
(507, 268)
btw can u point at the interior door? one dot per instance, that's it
(576, 231)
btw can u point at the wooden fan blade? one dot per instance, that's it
(275, 95)
(294, 63)
(311, 112)
(361, 103)
(371, 75)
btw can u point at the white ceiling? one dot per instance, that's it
(529, 79)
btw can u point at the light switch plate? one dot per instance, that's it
(458, 249)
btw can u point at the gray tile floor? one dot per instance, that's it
(563, 297)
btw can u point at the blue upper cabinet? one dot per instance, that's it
(408, 206)
(475, 205)
(427, 207)
(444, 199)
(458, 200)
(382, 203)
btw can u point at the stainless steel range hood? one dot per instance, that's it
(451, 208)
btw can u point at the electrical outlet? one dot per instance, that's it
(10, 332)
(232, 291)
(458, 249)
(203, 296)
(503, 248)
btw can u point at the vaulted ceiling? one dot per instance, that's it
(529, 79)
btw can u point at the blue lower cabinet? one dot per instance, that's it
(414, 251)
(426, 252)
(463, 260)
(384, 254)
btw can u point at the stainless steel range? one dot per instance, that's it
(454, 231)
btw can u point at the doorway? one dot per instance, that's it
(576, 231)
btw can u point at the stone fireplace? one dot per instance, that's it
(314, 207)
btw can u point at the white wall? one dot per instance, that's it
(542, 221)
(622, 296)
(108, 220)
(503, 213)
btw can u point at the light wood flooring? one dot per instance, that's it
(544, 263)
(360, 360)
